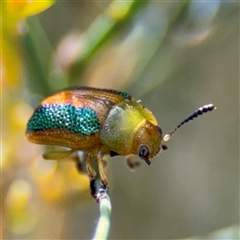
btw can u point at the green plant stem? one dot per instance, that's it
(37, 50)
(103, 29)
(103, 225)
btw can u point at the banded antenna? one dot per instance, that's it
(198, 112)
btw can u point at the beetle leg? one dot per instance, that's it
(99, 192)
(79, 161)
(164, 147)
(58, 154)
(90, 170)
(132, 165)
(101, 165)
(93, 187)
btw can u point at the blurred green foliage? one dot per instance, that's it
(175, 56)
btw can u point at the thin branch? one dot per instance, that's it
(103, 225)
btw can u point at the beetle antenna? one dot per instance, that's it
(198, 112)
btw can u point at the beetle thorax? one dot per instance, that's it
(122, 125)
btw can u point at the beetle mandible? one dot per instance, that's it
(100, 122)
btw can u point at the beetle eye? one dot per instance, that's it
(143, 153)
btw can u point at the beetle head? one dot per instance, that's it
(147, 141)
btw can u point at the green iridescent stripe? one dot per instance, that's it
(82, 121)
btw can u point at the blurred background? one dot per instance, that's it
(175, 57)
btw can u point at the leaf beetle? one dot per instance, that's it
(99, 122)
